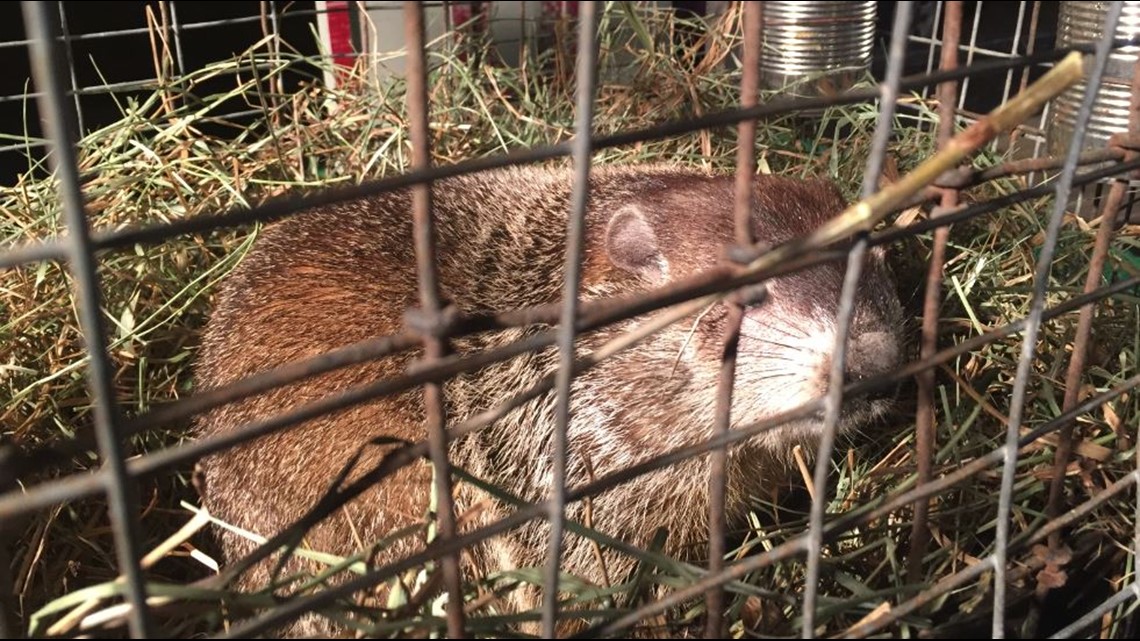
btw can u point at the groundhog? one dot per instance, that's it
(337, 274)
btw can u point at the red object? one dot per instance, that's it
(556, 9)
(340, 33)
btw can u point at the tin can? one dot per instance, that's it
(1083, 22)
(816, 48)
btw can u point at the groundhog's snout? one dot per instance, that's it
(872, 354)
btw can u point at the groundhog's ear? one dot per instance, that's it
(631, 244)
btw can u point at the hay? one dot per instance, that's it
(159, 163)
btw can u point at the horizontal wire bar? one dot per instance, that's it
(942, 586)
(374, 348)
(46, 251)
(283, 206)
(784, 551)
(974, 467)
(1075, 513)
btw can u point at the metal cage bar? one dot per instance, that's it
(70, 64)
(283, 206)
(742, 228)
(837, 376)
(582, 156)
(435, 345)
(971, 49)
(176, 29)
(575, 317)
(1078, 360)
(84, 485)
(925, 432)
(40, 20)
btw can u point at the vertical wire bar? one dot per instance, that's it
(924, 412)
(435, 347)
(1079, 356)
(1031, 40)
(1077, 361)
(1030, 45)
(889, 93)
(970, 51)
(275, 29)
(47, 70)
(933, 40)
(1038, 141)
(164, 16)
(582, 148)
(1013, 49)
(524, 35)
(742, 214)
(1029, 338)
(177, 29)
(71, 67)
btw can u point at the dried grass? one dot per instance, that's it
(157, 164)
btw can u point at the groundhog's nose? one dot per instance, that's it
(871, 354)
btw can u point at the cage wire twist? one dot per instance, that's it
(435, 325)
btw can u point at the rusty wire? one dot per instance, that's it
(595, 314)
(742, 228)
(924, 411)
(279, 207)
(742, 433)
(431, 310)
(1054, 509)
(601, 313)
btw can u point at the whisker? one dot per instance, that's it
(787, 331)
(788, 346)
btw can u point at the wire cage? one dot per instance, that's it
(983, 146)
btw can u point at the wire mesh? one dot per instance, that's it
(434, 326)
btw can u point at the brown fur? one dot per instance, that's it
(346, 272)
